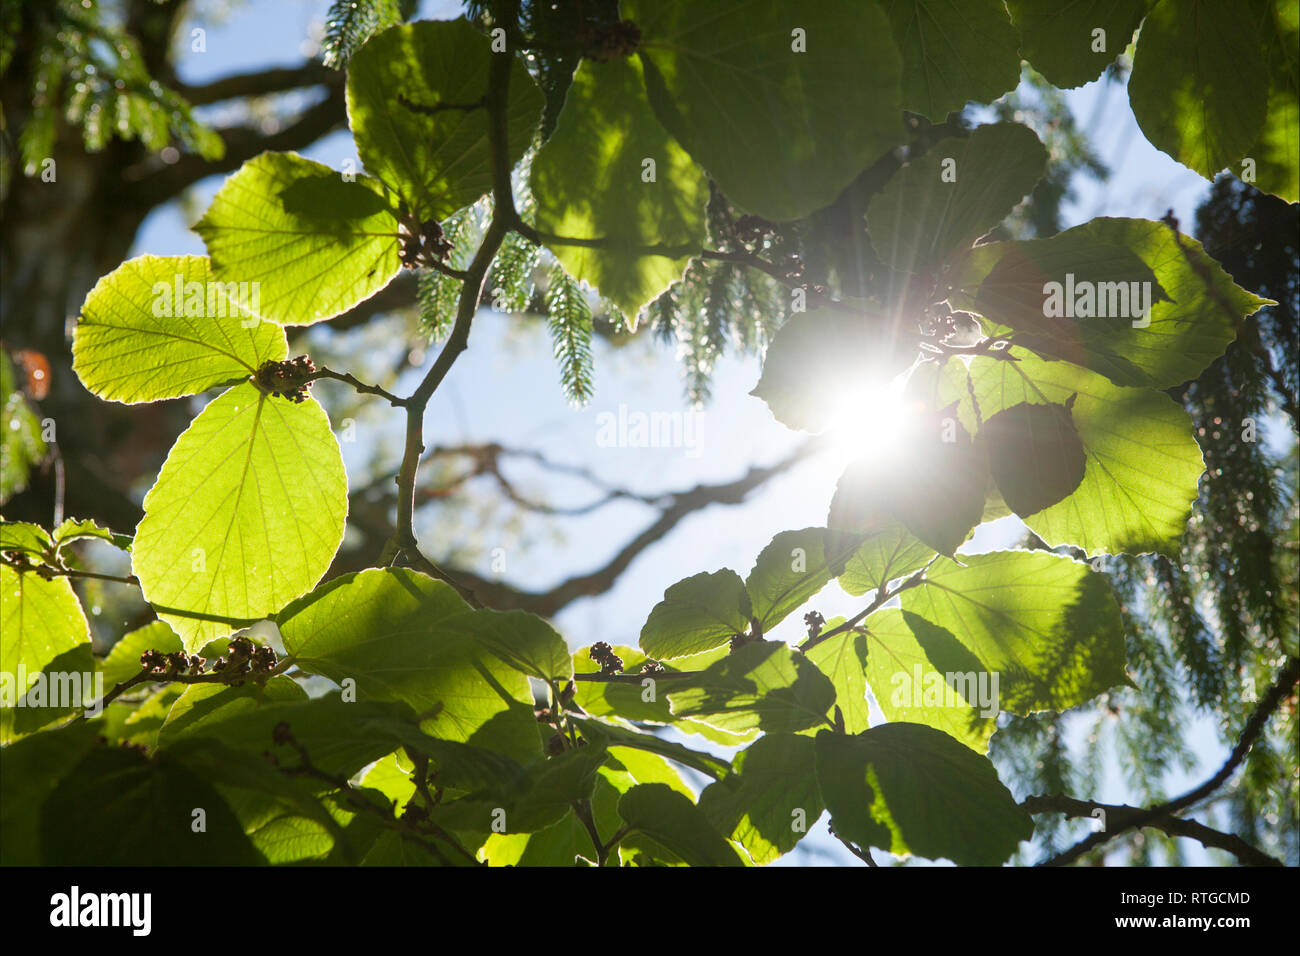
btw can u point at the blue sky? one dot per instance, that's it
(505, 388)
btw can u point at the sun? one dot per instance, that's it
(871, 416)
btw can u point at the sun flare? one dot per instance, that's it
(871, 417)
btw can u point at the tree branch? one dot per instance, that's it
(349, 379)
(243, 143)
(471, 288)
(1285, 684)
(1121, 816)
(259, 83)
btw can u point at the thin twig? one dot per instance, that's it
(882, 596)
(349, 379)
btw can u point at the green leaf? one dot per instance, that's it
(561, 843)
(415, 102)
(1199, 86)
(1046, 625)
(920, 673)
(954, 51)
(890, 551)
(26, 537)
(817, 358)
(1059, 41)
(907, 788)
(782, 132)
(1142, 462)
(791, 570)
(590, 180)
(138, 724)
(533, 801)
(522, 640)
(310, 243)
(935, 489)
(394, 849)
(601, 698)
(167, 326)
(843, 659)
(670, 819)
(246, 514)
(119, 807)
(29, 770)
(769, 805)
(39, 620)
(613, 734)
(631, 766)
(697, 614)
(1277, 152)
(764, 684)
(401, 635)
(953, 194)
(278, 813)
(1035, 455)
(73, 529)
(1195, 305)
(340, 737)
(123, 661)
(65, 685)
(202, 709)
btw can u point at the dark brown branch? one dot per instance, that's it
(243, 143)
(1121, 815)
(547, 603)
(259, 83)
(359, 386)
(398, 294)
(861, 853)
(1281, 689)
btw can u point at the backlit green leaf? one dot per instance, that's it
(591, 181)
(953, 51)
(670, 819)
(764, 684)
(399, 635)
(1142, 462)
(416, 104)
(783, 130)
(308, 241)
(246, 514)
(697, 614)
(907, 788)
(163, 327)
(1199, 87)
(39, 620)
(1060, 40)
(1046, 625)
(953, 194)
